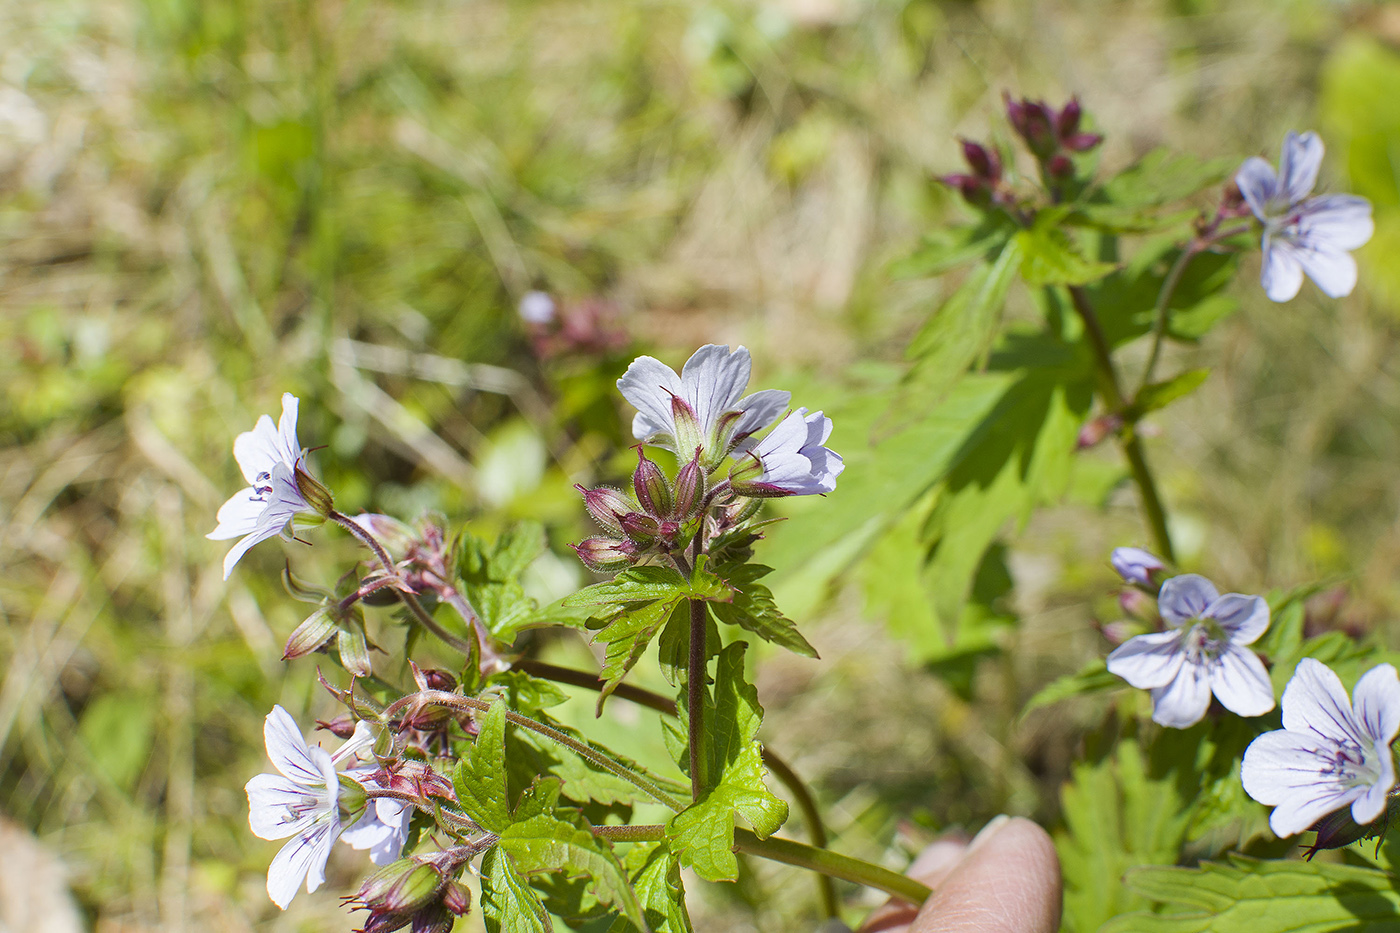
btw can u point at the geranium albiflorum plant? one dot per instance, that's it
(432, 782)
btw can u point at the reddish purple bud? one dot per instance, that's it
(974, 190)
(432, 678)
(342, 726)
(605, 555)
(1081, 142)
(605, 504)
(690, 488)
(1096, 429)
(1067, 122)
(640, 529)
(1117, 632)
(985, 163)
(652, 489)
(435, 918)
(1034, 122)
(1060, 166)
(457, 898)
(1139, 605)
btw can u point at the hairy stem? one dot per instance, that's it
(409, 599)
(1132, 446)
(695, 681)
(830, 863)
(582, 749)
(576, 678)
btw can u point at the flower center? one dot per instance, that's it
(1205, 641)
(1347, 760)
(306, 803)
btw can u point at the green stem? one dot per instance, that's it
(575, 678)
(791, 852)
(813, 818)
(1159, 313)
(1132, 447)
(695, 682)
(830, 863)
(583, 750)
(409, 599)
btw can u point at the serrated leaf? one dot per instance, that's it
(639, 584)
(507, 903)
(1162, 176)
(956, 335)
(754, 610)
(1250, 896)
(1050, 256)
(1091, 678)
(1158, 395)
(540, 798)
(544, 843)
(480, 776)
(702, 835)
(656, 879)
(626, 638)
(490, 578)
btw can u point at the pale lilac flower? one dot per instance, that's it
(303, 802)
(383, 828)
(1135, 565)
(1301, 233)
(1202, 652)
(790, 460)
(536, 308)
(702, 406)
(1329, 753)
(269, 458)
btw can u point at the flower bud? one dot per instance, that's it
(1067, 121)
(342, 726)
(985, 163)
(400, 887)
(1060, 166)
(434, 918)
(1033, 122)
(432, 678)
(457, 899)
(975, 191)
(652, 489)
(1138, 605)
(1137, 566)
(605, 504)
(1117, 632)
(640, 529)
(311, 635)
(690, 488)
(688, 433)
(354, 652)
(316, 495)
(1096, 429)
(604, 555)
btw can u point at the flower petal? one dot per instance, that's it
(239, 515)
(1342, 221)
(1184, 701)
(1258, 183)
(1371, 805)
(242, 547)
(1315, 702)
(290, 865)
(1244, 618)
(270, 798)
(1185, 598)
(649, 385)
(1280, 764)
(289, 752)
(288, 449)
(1304, 808)
(1280, 273)
(1376, 704)
(257, 450)
(1148, 661)
(714, 379)
(1298, 166)
(1334, 271)
(1135, 565)
(1240, 682)
(316, 871)
(760, 410)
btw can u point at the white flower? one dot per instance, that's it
(702, 406)
(302, 802)
(384, 827)
(1303, 234)
(1202, 652)
(790, 460)
(1328, 754)
(268, 457)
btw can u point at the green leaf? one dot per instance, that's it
(507, 903)
(1092, 678)
(1250, 896)
(656, 878)
(754, 610)
(626, 638)
(480, 777)
(1050, 256)
(490, 578)
(1164, 175)
(544, 843)
(946, 249)
(639, 584)
(956, 335)
(702, 835)
(1158, 395)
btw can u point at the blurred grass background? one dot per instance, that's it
(204, 203)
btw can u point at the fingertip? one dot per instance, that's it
(1009, 882)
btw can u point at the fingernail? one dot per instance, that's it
(988, 831)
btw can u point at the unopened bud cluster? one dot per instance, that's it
(658, 518)
(412, 892)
